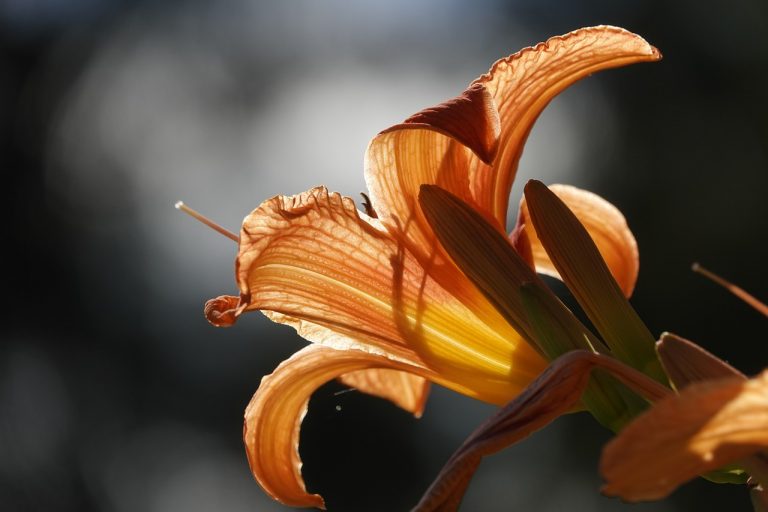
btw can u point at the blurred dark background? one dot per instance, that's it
(115, 394)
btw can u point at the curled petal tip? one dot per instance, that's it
(223, 311)
(470, 118)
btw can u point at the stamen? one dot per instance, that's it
(343, 391)
(205, 220)
(368, 207)
(737, 291)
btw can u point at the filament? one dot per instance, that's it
(737, 291)
(205, 220)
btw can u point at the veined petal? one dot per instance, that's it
(398, 162)
(273, 417)
(605, 225)
(430, 147)
(314, 262)
(708, 425)
(405, 390)
(471, 145)
(524, 83)
(449, 145)
(470, 118)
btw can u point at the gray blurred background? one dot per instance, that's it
(116, 395)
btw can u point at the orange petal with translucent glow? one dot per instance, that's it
(524, 83)
(708, 425)
(471, 145)
(430, 147)
(273, 417)
(470, 118)
(314, 262)
(605, 225)
(407, 391)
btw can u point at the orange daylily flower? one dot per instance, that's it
(708, 425)
(387, 309)
(719, 418)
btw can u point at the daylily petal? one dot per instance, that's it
(709, 424)
(524, 83)
(405, 390)
(685, 362)
(447, 145)
(605, 225)
(223, 310)
(273, 417)
(429, 147)
(470, 118)
(454, 145)
(397, 163)
(314, 262)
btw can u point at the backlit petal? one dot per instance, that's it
(405, 390)
(314, 262)
(708, 425)
(430, 147)
(470, 118)
(471, 145)
(397, 163)
(433, 147)
(605, 225)
(524, 83)
(273, 418)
